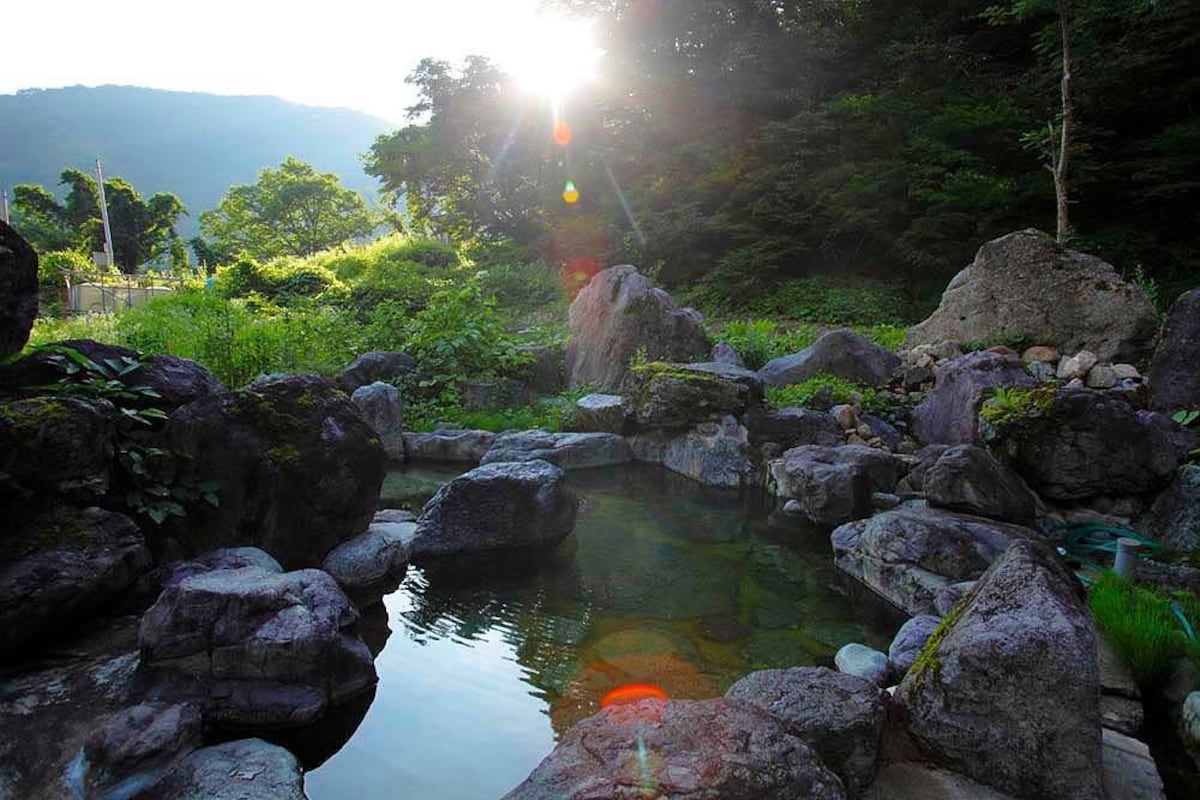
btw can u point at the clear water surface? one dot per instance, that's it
(663, 581)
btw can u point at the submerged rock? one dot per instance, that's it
(1007, 690)
(681, 748)
(1027, 284)
(617, 314)
(840, 716)
(497, 506)
(712, 453)
(842, 353)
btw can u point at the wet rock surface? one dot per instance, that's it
(371, 564)
(835, 484)
(566, 450)
(467, 447)
(245, 769)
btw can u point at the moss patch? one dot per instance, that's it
(928, 663)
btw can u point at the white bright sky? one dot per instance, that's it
(346, 53)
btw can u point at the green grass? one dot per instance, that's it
(820, 392)
(1142, 627)
(760, 340)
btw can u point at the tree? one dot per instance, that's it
(291, 211)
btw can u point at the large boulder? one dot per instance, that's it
(460, 446)
(1174, 518)
(1007, 689)
(18, 290)
(969, 479)
(171, 381)
(371, 564)
(712, 453)
(914, 556)
(709, 748)
(255, 647)
(677, 396)
(840, 716)
(61, 446)
(567, 450)
(382, 407)
(374, 367)
(949, 414)
(246, 769)
(1086, 443)
(497, 506)
(297, 466)
(619, 313)
(842, 353)
(60, 567)
(793, 427)
(134, 747)
(1025, 284)
(834, 484)
(604, 413)
(1174, 377)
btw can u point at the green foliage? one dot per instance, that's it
(1010, 404)
(884, 334)
(291, 211)
(404, 271)
(1148, 630)
(282, 280)
(760, 340)
(549, 414)
(1189, 419)
(523, 285)
(821, 392)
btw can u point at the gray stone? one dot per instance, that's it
(835, 484)
(911, 556)
(371, 564)
(842, 353)
(707, 748)
(497, 506)
(840, 716)
(604, 413)
(724, 353)
(1189, 722)
(18, 290)
(863, 662)
(1126, 372)
(678, 396)
(254, 647)
(456, 446)
(910, 640)
(712, 453)
(60, 567)
(1076, 366)
(906, 780)
(227, 558)
(296, 468)
(617, 314)
(793, 427)
(1129, 771)
(949, 414)
(1174, 518)
(883, 430)
(393, 515)
(566, 450)
(1089, 444)
(1026, 284)
(382, 407)
(1041, 372)
(1174, 378)
(1101, 376)
(1041, 354)
(968, 479)
(246, 769)
(376, 366)
(979, 700)
(133, 748)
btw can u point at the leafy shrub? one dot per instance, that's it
(820, 392)
(760, 340)
(281, 280)
(1147, 629)
(819, 299)
(549, 414)
(52, 265)
(884, 334)
(523, 285)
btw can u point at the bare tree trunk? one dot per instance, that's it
(1060, 159)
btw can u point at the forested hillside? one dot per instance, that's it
(759, 140)
(193, 145)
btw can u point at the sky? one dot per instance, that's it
(345, 53)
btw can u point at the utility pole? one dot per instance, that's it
(108, 248)
(4, 205)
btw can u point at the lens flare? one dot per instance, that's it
(632, 693)
(562, 133)
(570, 194)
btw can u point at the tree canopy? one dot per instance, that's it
(733, 143)
(291, 211)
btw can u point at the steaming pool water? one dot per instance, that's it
(662, 582)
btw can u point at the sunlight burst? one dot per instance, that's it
(552, 56)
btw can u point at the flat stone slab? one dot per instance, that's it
(910, 781)
(1129, 772)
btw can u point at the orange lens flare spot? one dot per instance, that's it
(570, 194)
(632, 693)
(562, 133)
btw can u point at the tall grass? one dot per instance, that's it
(1142, 627)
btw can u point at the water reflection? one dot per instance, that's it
(663, 582)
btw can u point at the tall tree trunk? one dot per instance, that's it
(1062, 157)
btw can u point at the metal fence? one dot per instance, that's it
(103, 294)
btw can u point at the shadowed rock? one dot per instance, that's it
(842, 353)
(949, 414)
(1174, 376)
(246, 769)
(18, 290)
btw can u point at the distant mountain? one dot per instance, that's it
(195, 145)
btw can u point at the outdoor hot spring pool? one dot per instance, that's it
(663, 582)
